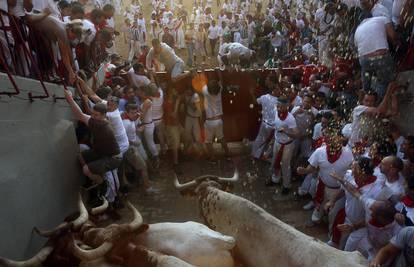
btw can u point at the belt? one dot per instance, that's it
(287, 143)
(377, 54)
(157, 119)
(145, 123)
(214, 118)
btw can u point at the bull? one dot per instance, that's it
(261, 239)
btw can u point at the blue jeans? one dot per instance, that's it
(376, 73)
(190, 52)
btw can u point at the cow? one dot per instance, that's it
(261, 239)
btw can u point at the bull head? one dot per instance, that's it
(102, 239)
(203, 181)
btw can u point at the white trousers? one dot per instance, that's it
(262, 140)
(192, 128)
(149, 139)
(285, 171)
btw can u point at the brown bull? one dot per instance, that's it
(261, 239)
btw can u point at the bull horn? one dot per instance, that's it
(49, 233)
(136, 222)
(101, 208)
(233, 179)
(181, 187)
(35, 261)
(83, 214)
(92, 254)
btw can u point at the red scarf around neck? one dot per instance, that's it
(125, 116)
(408, 202)
(282, 115)
(375, 223)
(332, 158)
(369, 180)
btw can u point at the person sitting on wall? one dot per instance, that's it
(105, 153)
(166, 55)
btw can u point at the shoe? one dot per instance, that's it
(301, 192)
(316, 216)
(308, 206)
(285, 190)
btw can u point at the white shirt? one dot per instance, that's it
(213, 32)
(114, 118)
(288, 123)
(157, 110)
(17, 10)
(397, 187)
(138, 80)
(212, 103)
(167, 57)
(319, 159)
(397, 7)
(195, 99)
(354, 208)
(317, 131)
(268, 103)
(89, 27)
(371, 35)
(130, 130)
(324, 21)
(360, 123)
(308, 50)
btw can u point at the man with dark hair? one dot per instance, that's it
(405, 207)
(105, 154)
(137, 76)
(365, 122)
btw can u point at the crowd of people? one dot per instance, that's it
(327, 122)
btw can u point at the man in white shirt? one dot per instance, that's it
(266, 130)
(137, 77)
(327, 159)
(235, 54)
(214, 112)
(377, 66)
(285, 132)
(365, 117)
(166, 55)
(135, 155)
(213, 35)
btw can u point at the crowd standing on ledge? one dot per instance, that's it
(328, 123)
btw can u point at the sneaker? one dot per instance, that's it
(302, 192)
(308, 206)
(316, 216)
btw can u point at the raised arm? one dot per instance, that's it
(89, 92)
(386, 253)
(76, 109)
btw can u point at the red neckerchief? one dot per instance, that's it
(374, 222)
(408, 202)
(282, 115)
(124, 116)
(332, 158)
(318, 142)
(368, 181)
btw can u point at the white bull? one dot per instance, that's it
(261, 239)
(192, 242)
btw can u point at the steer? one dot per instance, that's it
(261, 239)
